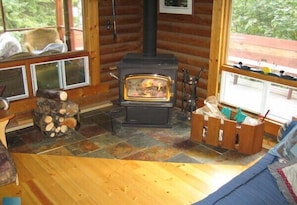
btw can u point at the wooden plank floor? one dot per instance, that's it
(67, 180)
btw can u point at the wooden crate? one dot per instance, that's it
(245, 139)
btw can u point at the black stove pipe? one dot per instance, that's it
(149, 28)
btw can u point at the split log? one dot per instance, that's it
(52, 125)
(70, 122)
(45, 105)
(52, 94)
(64, 128)
(49, 127)
(40, 118)
(48, 119)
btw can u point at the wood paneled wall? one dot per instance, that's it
(186, 36)
(128, 38)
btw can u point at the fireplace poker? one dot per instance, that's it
(190, 97)
(185, 80)
(114, 20)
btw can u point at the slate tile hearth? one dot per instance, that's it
(102, 135)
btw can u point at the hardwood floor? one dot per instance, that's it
(48, 179)
(55, 176)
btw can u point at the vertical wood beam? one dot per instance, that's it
(3, 16)
(59, 18)
(217, 54)
(91, 37)
(71, 23)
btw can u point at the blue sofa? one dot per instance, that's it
(256, 185)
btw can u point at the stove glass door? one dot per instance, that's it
(147, 87)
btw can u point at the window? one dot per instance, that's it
(264, 31)
(15, 82)
(75, 72)
(258, 96)
(47, 75)
(27, 14)
(62, 18)
(65, 74)
(263, 36)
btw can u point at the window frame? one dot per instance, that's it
(65, 28)
(61, 73)
(218, 56)
(24, 80)
(86, 81)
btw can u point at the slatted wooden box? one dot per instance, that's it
(245, 139)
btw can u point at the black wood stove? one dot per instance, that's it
(148, 80)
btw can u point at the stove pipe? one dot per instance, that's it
(149, 28)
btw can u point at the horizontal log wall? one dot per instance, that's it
(128, 38)
(188, 38)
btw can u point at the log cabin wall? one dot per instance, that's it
(127, 40)
(186, 36)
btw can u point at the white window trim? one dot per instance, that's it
(62, 74)
(25, 84)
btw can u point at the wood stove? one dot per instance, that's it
(148, 80)
(147, 88)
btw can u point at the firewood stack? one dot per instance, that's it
(55, 115)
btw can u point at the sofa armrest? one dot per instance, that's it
(253, 186)
(8, 173)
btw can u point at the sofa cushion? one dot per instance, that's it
(285, 174)
(287, 147)
(255, 186)
(7, 167)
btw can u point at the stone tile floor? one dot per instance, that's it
(102, 135)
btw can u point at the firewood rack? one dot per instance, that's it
(55, 115)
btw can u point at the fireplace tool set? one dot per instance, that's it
(189, 92)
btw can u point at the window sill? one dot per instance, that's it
(41, 58)
(260, 76)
